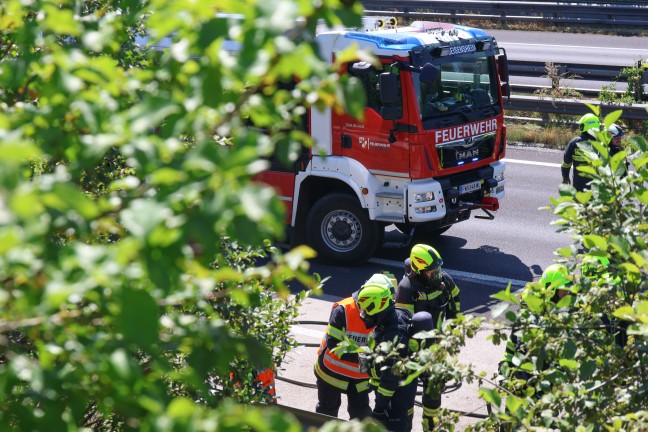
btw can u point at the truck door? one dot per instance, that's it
(375, 142)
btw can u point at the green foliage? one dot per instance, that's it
(580, 362)
(134, 257)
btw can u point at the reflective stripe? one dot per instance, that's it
(385, 392)
(409, 307)
(362, 386)
(354, 330)
(335, 332)
(455, 291)
(345, 368)
(431, 412)
(329, 379)
(430, 296)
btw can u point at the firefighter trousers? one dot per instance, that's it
(329, 399)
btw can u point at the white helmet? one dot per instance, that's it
(616, 131)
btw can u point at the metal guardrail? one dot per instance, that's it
(633, 14)
(572, 107)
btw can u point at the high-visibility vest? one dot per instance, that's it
(354, 330)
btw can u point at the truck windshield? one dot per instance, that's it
(464, 87)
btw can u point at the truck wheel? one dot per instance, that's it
(340, 230)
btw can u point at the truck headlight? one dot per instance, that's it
(428, 209)
(423, 197)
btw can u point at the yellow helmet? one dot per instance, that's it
(589, 121)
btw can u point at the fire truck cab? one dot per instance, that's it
(427, 152)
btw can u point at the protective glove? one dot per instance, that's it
(381, 416)
(363, 363)
(566, 180)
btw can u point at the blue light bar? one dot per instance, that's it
(475, 159)
(460, 163)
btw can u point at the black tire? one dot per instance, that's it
(340, 230)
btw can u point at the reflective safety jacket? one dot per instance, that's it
(439, 298)
(343, 371)
(573, 156)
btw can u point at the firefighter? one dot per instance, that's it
(587, 124)
(616, 136)
(595, 267)
(427, 287)
(336, 375)
(394, 405)
(431, 399)
(555, 283)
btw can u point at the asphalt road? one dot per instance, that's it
(483, 256)
(571, 48)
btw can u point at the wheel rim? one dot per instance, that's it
(341, 231)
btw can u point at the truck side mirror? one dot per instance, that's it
(506, 90)
(389, 96)
(502, 67)
(429, 73)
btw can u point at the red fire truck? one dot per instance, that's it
(428, 152)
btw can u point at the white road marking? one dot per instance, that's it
(471, 277)
(526, 162)
(602, 49)
(307, 332)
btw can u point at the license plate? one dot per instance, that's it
(469, 187)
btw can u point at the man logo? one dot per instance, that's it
(463, 154)
(363, 142)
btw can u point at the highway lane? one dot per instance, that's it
(572, 48)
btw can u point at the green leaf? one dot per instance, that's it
(593, 241)
(534, 303)
(587, 369)
(142, 216)
(491, 396)
(506, 295)
(569, 364)
(513, 403)
(612, 118)
(167, 176)
(139, 318)
(181, 407)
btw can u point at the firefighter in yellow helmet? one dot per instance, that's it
(554, 284)
(587, 125)
(337, 375)
(427, 288)
(394, 402)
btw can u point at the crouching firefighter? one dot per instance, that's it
(341, 374)
(424, 322)
(394, 406)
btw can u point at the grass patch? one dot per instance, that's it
(555, 136)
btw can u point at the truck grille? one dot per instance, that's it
(464, 152)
